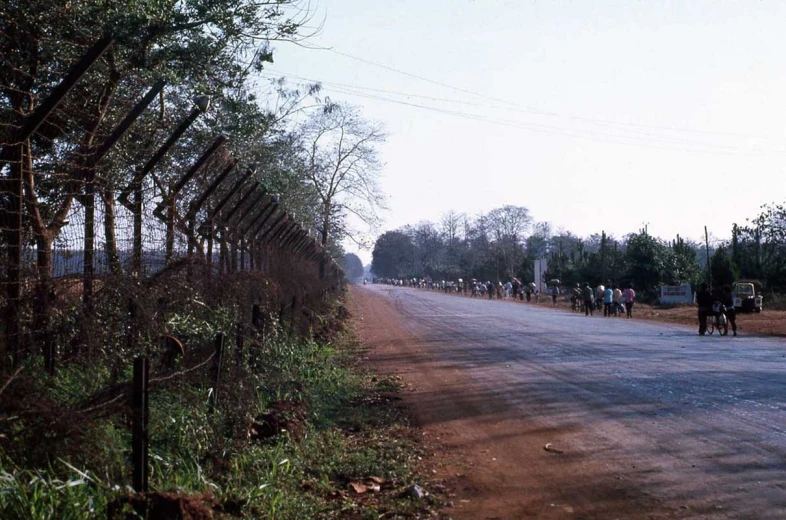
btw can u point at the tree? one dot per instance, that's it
(343, 167)
(682, 265)
(201, 46)
(508, 225)
(353, 267)
(393, 255)
(451, 226)
(429, 247)
(646, 258)
(759, 249)
(722, 268)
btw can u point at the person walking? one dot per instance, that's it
(704, 304)
(575, 298)
(728, 301)
(608, 298)
(589, 299)
(616, 296)
(600, 290)
(629, 296)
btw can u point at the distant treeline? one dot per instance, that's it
(505, 242)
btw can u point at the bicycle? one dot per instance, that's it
(717, 320)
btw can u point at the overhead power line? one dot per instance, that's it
(644, 139)
(530, 109)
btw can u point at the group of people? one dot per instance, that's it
(711, 304)
(614, 300)
(513, 289)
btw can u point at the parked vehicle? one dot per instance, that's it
(747, 296)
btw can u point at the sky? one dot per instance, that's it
(596, 116)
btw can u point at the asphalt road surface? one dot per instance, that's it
(642, 420)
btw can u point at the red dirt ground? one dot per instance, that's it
(766, 323)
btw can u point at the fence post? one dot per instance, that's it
(217, 361)
(256, 316)
(89, 246)
(223, 252)
(242, 253)
(170, 228)
(191, 229)
(211, 230)
(139, 437)
(49, 354)
(136, 262)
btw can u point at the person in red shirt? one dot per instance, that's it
(629, 295)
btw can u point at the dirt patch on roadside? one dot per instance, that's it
(765, 323)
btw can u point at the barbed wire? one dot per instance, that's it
(113, 202)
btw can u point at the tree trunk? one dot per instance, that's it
(233, 252)
(223, 253)
(170, 230)
(110, 235)
(13, 313)
(326, 224)
(137, 247)
(44, 294)
(88, 263)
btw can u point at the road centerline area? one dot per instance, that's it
(647, 420)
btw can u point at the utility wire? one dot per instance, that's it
(645, 140)
(531, 110)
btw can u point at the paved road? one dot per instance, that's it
(653, 420)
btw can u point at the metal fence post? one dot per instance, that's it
(139, 438)
(256, 316)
